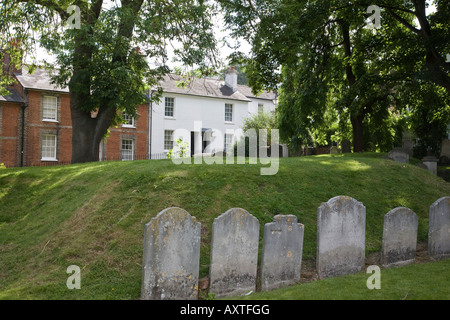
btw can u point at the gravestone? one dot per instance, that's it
(346, 146)
(334, 150)
(399, 237)
(282, 252)
(171, 256)
(445, 148)
(439, 229)
(234, 253)
(341, 229)
(399, 155)
(431, 163)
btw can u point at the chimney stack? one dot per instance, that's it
(13, 50)
(231, 79)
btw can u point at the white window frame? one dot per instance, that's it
(227, 141)
(228, 113)
(127, 117)
(166, 137)
(169, 102)
(130, 142)
(52, 109)
(49, 155)
(260, 108)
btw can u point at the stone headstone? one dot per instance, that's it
(282, 252)
(234, 253)
(399, 155)
(408, 142)
(284, 151)
(439, 229)
(341, 229)
(346, 146)
(431, 163)
(334, 150)
(445, 148)
(171, 256)
(399, 237)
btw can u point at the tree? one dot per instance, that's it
(326, 57)
(105, 60)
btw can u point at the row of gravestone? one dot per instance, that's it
(172, 247)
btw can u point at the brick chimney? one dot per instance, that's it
(12, 50)
(231, 79)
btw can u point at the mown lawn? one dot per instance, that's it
(93, 215)
(427, 281)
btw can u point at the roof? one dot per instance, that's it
(207, 87)
(13, 97)
(38, 80)
(247, 91)
(204, 87)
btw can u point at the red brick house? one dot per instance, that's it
(36, 127)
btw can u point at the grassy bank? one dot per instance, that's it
(93, 215)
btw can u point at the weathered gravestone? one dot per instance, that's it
(171, 256)
(341, 230)
(346, 146)
(334, 150)
(282, 252)
(399, 237)
(399, 155)
(445, 148)
(234, 253)
(439, 229)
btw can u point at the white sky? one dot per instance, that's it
(219, 29)
(220, 33)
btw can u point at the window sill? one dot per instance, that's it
(50, 120)
(169, 118)
(229, 122)
(49, 159)
(128, 127)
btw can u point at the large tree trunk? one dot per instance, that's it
(358, 131)
(356, 118)
(88, 132)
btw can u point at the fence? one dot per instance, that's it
(172, 247)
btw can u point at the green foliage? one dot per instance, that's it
(333, 69)
(2, 166)
(181, 150)
(260, 121)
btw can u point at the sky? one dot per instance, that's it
(220, 32)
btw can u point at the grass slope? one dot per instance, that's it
(93, 215)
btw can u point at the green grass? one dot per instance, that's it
(93, 215)
(428, 281)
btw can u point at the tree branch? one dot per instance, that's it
(403, 21)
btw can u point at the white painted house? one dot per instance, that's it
(207, 113)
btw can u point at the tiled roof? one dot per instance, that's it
(38, 80)
(207, 87)
(13, 97)
(204, 87)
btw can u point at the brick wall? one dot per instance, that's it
(36, 128)
(138, 134)
(10, 119)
